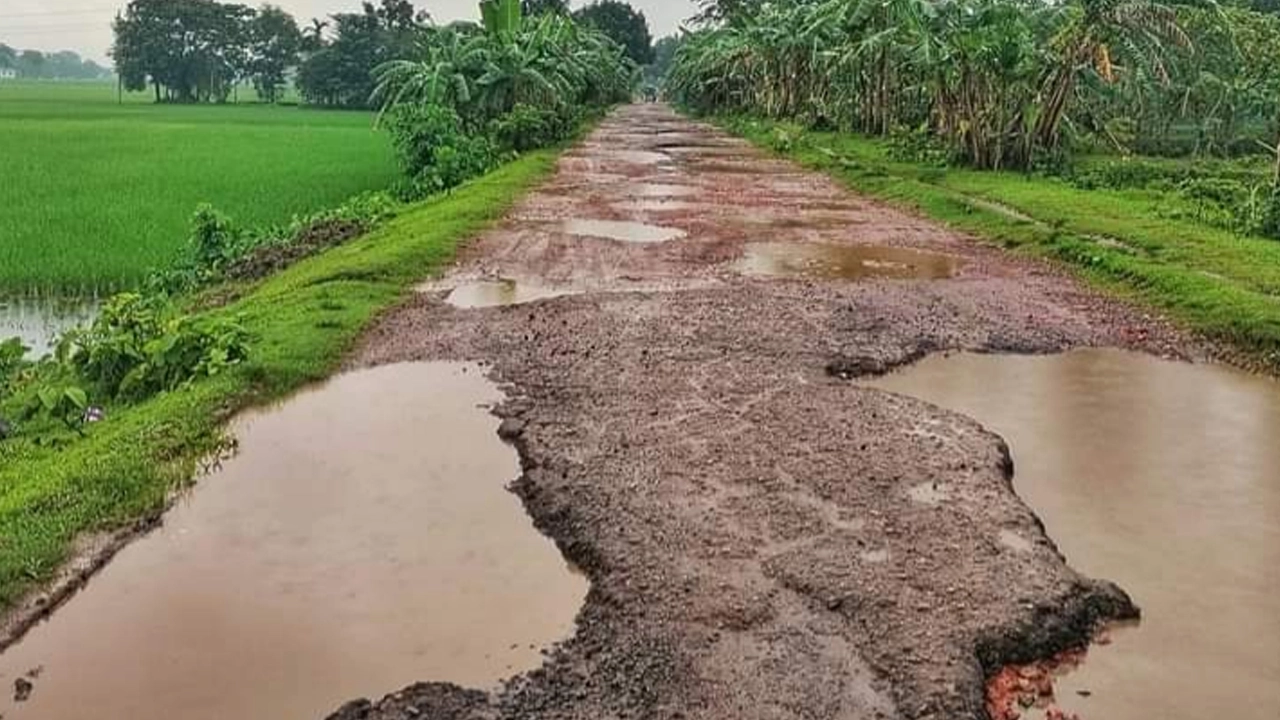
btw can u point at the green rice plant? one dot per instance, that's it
(95, 193)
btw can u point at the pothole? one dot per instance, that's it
(623, 231)
(503, 291)
(844, 262)
(361, 540)
(1163, 477)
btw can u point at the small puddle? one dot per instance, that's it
(623, 231)
(844, 262)
(505, 291)
(39, 321)
(1161, 476)
(360, 541)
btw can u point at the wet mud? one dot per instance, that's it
(764, 536)
(1164, 477)
(362, 538)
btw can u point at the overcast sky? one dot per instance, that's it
(85, 25)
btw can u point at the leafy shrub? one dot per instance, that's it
(1127, 173)
(435, 153)
(12, 361)
(918, 145)
(214, 241)
(63, 402)
(1269, 216)
(528, 128)
(137, 347)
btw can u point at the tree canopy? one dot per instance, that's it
(338, 71)
(196, 50)
(624, 24)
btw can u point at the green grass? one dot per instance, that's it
(1217, 283)
(303, 321)
(93, 193)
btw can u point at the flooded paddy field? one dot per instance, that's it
(38, 321)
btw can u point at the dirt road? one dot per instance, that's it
(764, 537)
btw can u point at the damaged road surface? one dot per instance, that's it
(763, 537)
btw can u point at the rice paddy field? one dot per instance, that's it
(95, 190)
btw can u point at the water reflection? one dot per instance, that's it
(38, 321)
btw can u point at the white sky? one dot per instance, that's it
(85, 25)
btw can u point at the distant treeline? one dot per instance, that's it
(64, 65)
(198, 50)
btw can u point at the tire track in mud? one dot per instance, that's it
(764, 538)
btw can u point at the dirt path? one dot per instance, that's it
(764, 537)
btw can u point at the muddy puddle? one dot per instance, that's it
(361, 540)
(843, 262)
(1161, 476)
(38, 321)
(504, 291)
(623, 231)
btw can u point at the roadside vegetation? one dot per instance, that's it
(103, 429)
(1136, 140)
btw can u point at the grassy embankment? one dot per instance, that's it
(1218, 283)
(303, 320)
(95, 193)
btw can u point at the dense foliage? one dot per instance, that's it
(337, 71)
(623, 24)
(996, 83)
(472, 94)
(197, 50)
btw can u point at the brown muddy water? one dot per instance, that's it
(361, 540)
(622, 231)
(38, 321)
(1165, 478)
(504, 291)
(843, 262)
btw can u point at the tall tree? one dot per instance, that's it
(340, 71)
(275, 42)
(190, 50)
(624, 24)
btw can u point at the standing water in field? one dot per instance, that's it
(1165, 478)
(38, 321)
(362, 539)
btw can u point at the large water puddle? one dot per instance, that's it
(361, 540)
(843, 262)
(39, 321)
(1161, 476)
(636, 232)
